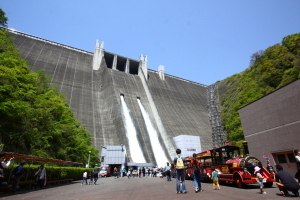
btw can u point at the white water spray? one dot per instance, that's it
(157, 149)
(134, 146)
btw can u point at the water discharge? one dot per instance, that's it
(157, 149)
(134, 146)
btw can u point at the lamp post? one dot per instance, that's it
(88, 165)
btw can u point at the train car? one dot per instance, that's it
(234, 167)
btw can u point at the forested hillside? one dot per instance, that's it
(35, 118)
(269, 70)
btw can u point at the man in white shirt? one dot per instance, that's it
(41, 176)
(4, 164)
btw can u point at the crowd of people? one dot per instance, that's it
(17, 173)
(284, 180)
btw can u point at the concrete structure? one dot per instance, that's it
(113, 155)
(188, 144)
(271, 125)
(92, 84)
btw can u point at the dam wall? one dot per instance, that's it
(175, 106)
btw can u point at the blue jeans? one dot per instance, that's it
(95, 177)
(180, 176)
(197, 181)
(84, 180)
(261, 184)
(168, 174)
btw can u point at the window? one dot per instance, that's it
(291, 157)
(281, 158)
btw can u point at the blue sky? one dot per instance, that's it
(199, 40)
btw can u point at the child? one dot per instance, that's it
(215, 178)
(91, 178)
(260, 178)
(84, 177)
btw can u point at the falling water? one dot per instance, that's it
(157, 149)
(134, 147)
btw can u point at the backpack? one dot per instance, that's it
(179, 163)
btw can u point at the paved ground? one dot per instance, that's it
(140, 188)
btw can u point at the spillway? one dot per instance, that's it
(159, 153)
(134, 146)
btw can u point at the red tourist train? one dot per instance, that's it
(232, 166)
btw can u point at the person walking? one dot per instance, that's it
(129, 173)
(215, 179)
(140, 172)
(143, 171)
(180, 173)
(91, 178)
(116, 172)
(286, 182)
(168, 172)
(195, 165)
(260, 179)
(96, 174)
(41, 176)
(123, 172)
(84, 177)
(16, 175)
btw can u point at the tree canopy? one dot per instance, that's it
(269, 70)
(3, 18)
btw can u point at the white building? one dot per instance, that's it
(188, 144)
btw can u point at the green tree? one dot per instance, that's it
(269, 70)
(3, 18)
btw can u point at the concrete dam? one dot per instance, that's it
(94, 85)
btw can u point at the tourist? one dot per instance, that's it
(195, 165)
(116, 172)
(41, 176)
(168, 172)
(16, 175)
(96, 174)
(143, 171)
(3, 165)
(91, 178)
(286, 182)
(129, 173)
(180, 173)
(84, 177)
(215, 179)
(123, 172)
(260, 179)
